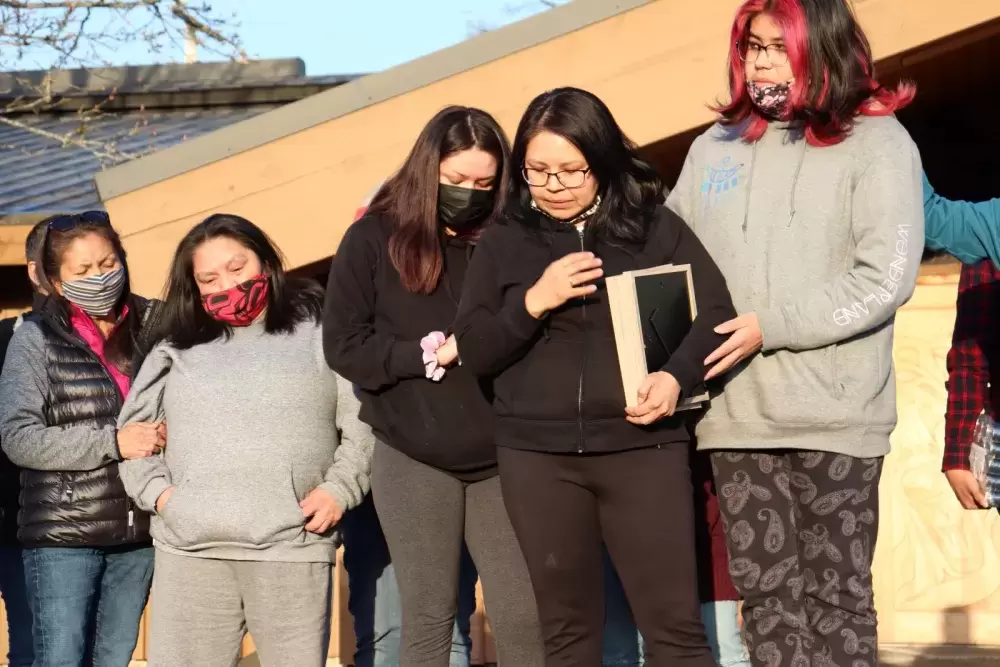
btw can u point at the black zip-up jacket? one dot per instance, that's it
(372, 329)
(10, 474)
(558, 384)
(10, 483)
(77, 507)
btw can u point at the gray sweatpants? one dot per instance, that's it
(201, 608)
(425, 514)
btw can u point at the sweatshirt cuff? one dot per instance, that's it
(776, 332)
(336, 490)
(687, 374)
(518, 320)
(405, 359)
(116, 451)
(154, 489)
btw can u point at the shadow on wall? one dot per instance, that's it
(956, 650)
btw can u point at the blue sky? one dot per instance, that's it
(345, 36)
(349, 36)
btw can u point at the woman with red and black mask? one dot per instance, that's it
(266, 453)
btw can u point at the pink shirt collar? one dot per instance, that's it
(92, 336)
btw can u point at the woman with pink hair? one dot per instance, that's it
(807, 192)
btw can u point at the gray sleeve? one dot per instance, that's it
(27, 439)
(682, 199)
(349, 478)
(145, 479)
(887, 224)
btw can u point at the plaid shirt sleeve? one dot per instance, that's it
(977, 330)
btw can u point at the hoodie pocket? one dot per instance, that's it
(858, 370)
(545, 384)
(255, 510)
(838, 388)
(785, 387)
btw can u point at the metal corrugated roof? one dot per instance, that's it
(39, 175)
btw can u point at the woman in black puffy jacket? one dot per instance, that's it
(87, 554)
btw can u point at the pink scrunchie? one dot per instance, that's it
(430, 344)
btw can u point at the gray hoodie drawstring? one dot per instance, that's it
(795, 180)
(746, 204)
(795, 186)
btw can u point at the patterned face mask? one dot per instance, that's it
(239, 305)
(770, 98)
(96, 295)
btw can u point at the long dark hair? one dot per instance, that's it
(833, 67)
(290, 300)
(50, 249)
(630, 188)
(409, 197)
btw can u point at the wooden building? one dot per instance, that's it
(300, 170)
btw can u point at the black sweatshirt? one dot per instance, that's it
(10, 476)
(558, 384)
(372, 329)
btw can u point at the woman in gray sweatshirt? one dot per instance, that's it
(808, 195)
(264, 454)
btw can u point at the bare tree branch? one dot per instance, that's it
(53, 35)
(103, 150)
(512, 9)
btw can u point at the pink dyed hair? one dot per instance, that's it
(826, 96)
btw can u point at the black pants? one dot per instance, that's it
(641, 505)
(801, 530)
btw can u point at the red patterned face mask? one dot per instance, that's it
(240, 305)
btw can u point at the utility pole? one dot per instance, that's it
(190, 40)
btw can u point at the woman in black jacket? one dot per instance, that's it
(87, 554)
(577, 467)
(393, 294)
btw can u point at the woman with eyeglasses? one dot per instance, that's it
(808, 191)
(87, 554)
(577, 467)
(393, 294)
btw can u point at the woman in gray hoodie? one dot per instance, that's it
(808, 195)
(264, 454)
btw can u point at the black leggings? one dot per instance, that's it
(801, 530)
(641, 505)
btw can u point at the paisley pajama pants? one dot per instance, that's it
(800, 529)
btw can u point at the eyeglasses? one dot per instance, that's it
(776, 54)
(64, 223)
(539, 178)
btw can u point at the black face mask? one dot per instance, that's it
(462, 208)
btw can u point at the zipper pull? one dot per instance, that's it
(131, 518)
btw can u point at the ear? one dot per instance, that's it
(33, 273)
